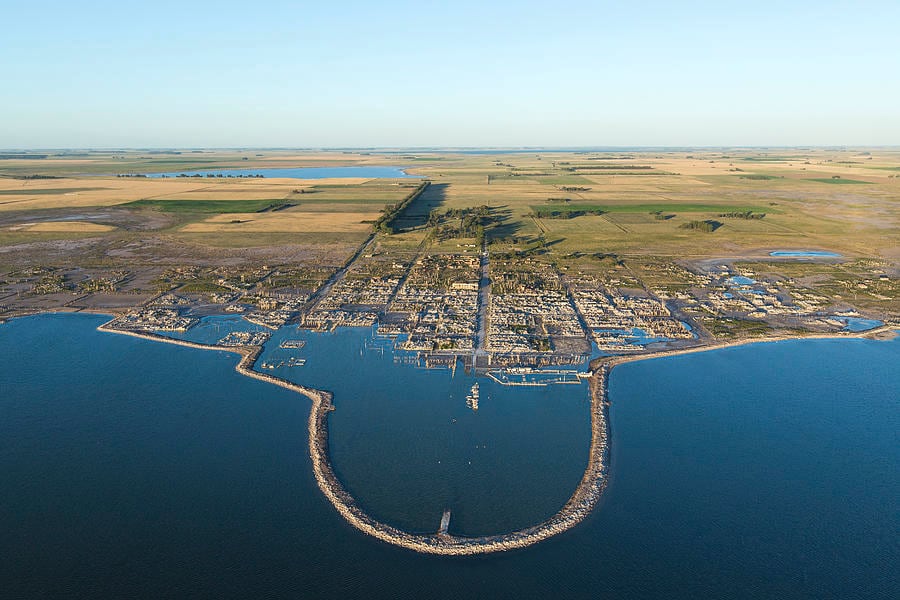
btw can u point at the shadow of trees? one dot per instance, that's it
(416, 214)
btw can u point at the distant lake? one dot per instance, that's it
(133, 468)
(804, 254)
(860, 324)
(299, 173)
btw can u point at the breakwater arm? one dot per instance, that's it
(576, 509)
(573, 512)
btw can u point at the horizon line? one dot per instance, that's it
(450, 148)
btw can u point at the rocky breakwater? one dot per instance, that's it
(577, 508)
(573, 512)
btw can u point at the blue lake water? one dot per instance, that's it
(133, 468)
(804, 254)
(741, 280)
(300, 173)
(860, 324)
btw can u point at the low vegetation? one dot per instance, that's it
(708, 225)
(209, 206)
(758, 176)
(838, 180)
(569, 211)
(747, 215)
(385, 223)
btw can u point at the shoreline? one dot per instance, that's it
(580, 504)
(890, 330)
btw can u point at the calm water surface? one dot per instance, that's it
(140, 469)
(406, 445)
(805, 254)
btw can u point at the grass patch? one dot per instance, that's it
(747, 215)
(47, 192)
(563, 180)
(707, 226)
(840, 181)
(758, 177)
(203, 286)
(207, 206)
(567, 211)
(773, 158)
(675, 207)
(607, 168)
(626, 173)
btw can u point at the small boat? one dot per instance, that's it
(472, 398)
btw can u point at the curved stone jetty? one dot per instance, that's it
(579, 506)
(573, 512)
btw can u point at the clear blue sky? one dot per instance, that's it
(454, 73)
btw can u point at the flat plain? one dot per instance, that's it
(96, 211)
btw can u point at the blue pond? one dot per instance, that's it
(300, 173)
(741, 280)
(804, 254)
(860, 324)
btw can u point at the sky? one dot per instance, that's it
(96, 74)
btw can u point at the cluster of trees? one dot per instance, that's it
(759, 177)
(461, 223)
(708, 226)
(275, 206)
(541, 344)
(568, 212)
(747, 214)
(519, 281)
(608, 168)
(384, 223)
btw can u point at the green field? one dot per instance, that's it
(840, 181)
(639, 215)
(757, 177)
(207, 206)
(32, 191)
